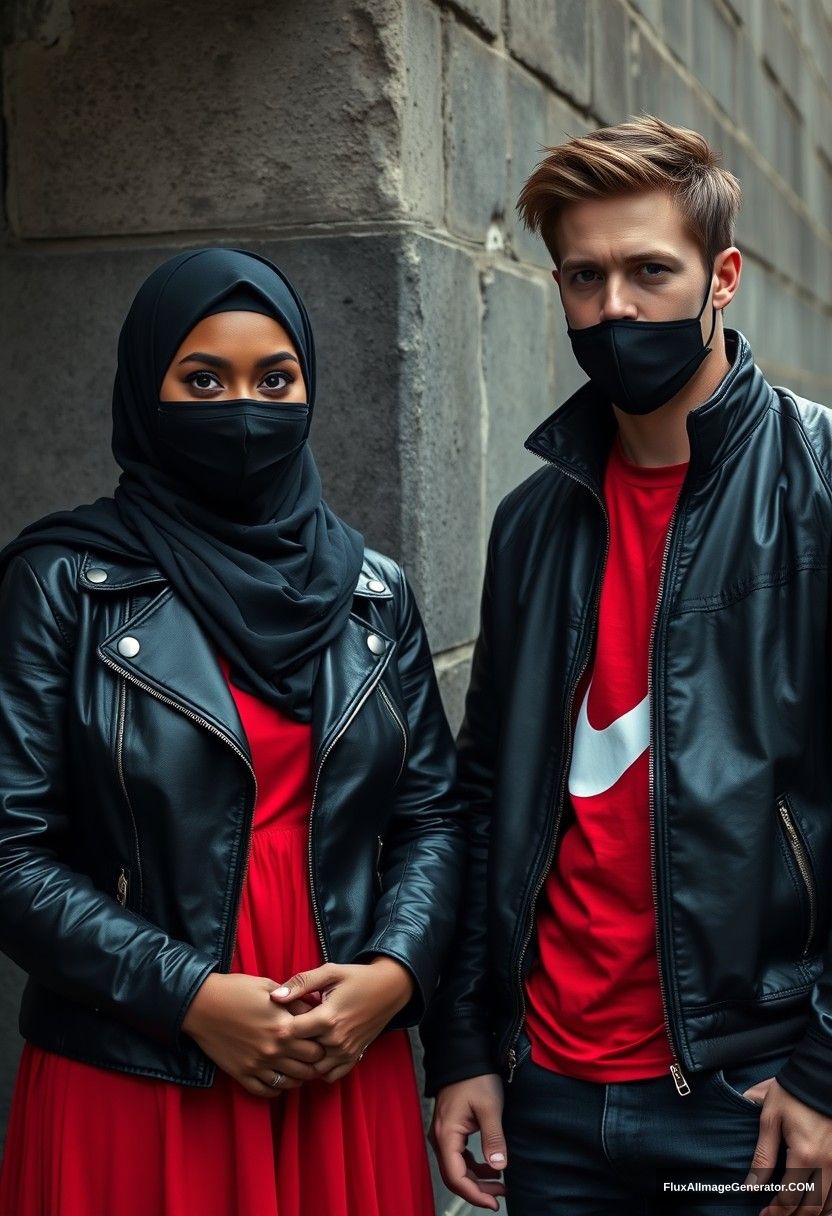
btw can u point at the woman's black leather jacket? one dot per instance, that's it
(127, 793)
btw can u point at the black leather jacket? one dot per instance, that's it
(741, 762)
(127, 793)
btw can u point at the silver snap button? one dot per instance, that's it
(374, 585)
(97, 576)
(129, 647)
(375, 643)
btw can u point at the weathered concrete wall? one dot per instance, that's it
(375, 149)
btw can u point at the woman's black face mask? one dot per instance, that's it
(640, 365)
(231, 450)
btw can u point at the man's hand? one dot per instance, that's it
(475, 1104)
(808, 1137)
(357, 1002)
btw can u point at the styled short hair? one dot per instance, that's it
(642, 154)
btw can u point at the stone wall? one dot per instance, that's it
(375, 150)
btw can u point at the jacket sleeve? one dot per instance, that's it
(54, 922)
(456, 1032)
(423, 857)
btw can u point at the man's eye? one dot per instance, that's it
(578, 277)
(276, 380)
(654, 268)
(204, 380)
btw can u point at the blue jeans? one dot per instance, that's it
(582, 1148)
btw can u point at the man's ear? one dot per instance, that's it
(728, 269)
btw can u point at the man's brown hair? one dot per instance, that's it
(642, 154)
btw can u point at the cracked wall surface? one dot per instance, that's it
(375, 150)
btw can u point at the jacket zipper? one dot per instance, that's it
(121, 887)
(803, 864)
(313, 893)
(400, 725)
(567, 748)
(679, 1078)
(122, 713)
(209, 726)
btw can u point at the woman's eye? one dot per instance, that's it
(204, 380)
(276, 380)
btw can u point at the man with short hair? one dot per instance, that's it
(643, 957)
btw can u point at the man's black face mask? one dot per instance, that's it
(640, 365)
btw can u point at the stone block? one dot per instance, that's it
(611, 98)
(563, 122)
(529, 137)
(651, 10)
(714, 38)
(486, 13)
(676, 25)
(553, 39)
(149, 121)
(440, 407)
(783, 52)
(789, 140)
(476, 139)
(453, 671)
(749, 85)
(651, 76)
(422, 164)
(724, 70)
(518, 375)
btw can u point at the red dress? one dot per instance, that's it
(86, 1141)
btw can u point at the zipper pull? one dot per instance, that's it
(679, 1080)
(512, 1064)
(121, 888)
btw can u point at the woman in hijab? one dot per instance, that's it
(229, 853)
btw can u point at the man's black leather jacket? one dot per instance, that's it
(127, 792)
(741, 746)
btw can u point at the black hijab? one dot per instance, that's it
(270, 583)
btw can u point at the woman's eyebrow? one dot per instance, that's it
(280, 357)
(217, 361)
(211, 360)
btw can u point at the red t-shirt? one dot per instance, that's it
(594, 1006)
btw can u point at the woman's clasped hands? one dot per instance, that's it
(316, 1026)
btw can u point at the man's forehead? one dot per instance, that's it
(624, 225)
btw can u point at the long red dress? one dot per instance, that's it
(86, 1141)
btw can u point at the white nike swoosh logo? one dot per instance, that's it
(601, 757)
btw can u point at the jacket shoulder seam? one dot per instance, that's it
(50, 605)
(816, 460)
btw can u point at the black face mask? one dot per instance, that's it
(642, 364)
(231, 450)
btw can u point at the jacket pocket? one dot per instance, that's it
(803, 865)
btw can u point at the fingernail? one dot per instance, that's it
(751, 1179)
(497, 1159)
(284, 991)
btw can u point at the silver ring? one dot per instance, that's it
(361, 1054)
(278, 1077)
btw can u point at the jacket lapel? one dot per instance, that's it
(163, 648)
(351, 666)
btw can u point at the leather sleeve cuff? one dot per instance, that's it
(808, 1073)
(456, 1053)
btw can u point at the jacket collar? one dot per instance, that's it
(578, 436)
(163, 650)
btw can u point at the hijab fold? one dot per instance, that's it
(271, 584)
